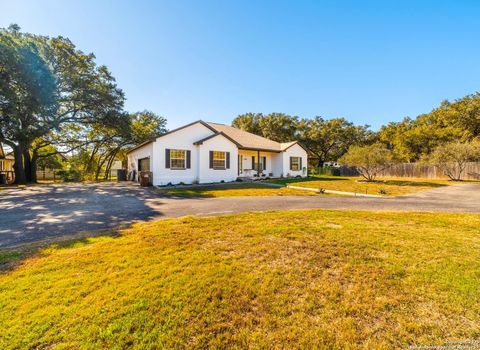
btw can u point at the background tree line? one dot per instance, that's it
(327, 139)
(448, 137)
(55, 99)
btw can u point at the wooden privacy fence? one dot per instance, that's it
(46, 174)
(472, 171)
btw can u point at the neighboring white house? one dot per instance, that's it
(203, 152)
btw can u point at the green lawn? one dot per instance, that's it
(383, 186)
(234, 190)
(295, 279)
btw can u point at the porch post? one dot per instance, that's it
(258, 164)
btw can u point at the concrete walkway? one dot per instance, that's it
(49, 212)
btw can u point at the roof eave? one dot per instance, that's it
(170, 132)
(221, 133)
(297, 143)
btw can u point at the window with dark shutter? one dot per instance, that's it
(219, 160)
(167, 158)
(253, 162)
(211, 160)
(228, 160)
(264, 159)
(178, 159)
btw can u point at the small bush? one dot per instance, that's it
(453, 157)
(368, 160)
(71, 175)
(382, 191)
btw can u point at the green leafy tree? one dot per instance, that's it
(368, 160)
(49, 158)
(329, 139)
(249, 122)
(48, 84)
(413, 139)
(146, 125)
(453, 157)
(28, 94)
(279, 127)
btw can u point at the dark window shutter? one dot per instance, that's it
(291, 160)
(167, 158)
(211, 159)
(227, 159)
(189, 156)
(300, 160)
(253, 162)
(264, 163)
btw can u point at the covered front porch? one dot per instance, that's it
(257, 164)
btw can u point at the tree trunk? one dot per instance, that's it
(109, 164)
(99, 167)
(33, 166)
(27, 164)
(89, 166)
(20, 178)
(320, 160)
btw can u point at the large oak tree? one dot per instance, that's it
(47, 84)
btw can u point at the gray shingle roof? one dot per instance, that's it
(247, 140)
(243, 139)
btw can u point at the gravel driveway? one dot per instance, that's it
(40, 213)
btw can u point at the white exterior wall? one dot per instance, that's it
(181, 139)
(218, 143)
(142, 152)
(294, 151)
(277, 161)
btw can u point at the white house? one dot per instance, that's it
(203, 152)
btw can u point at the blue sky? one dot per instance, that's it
(368, 61)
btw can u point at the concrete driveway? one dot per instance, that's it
(41, 213)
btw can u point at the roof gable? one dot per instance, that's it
(153, 139)
(287, 145)
(199, 142)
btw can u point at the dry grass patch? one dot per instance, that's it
(293, 279)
